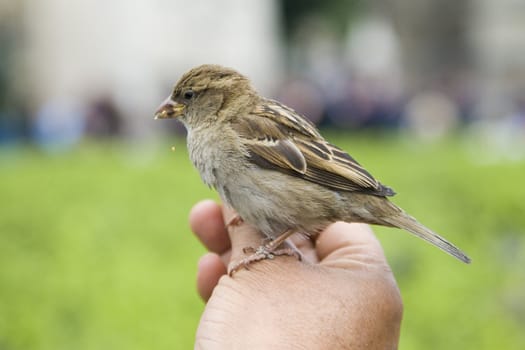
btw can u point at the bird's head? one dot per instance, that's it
(207, 93)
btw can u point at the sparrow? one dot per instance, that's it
(273, 167)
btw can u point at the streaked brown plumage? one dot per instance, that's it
(271, 164)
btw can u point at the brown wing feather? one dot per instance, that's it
(287, 118)
(282, 153)
(336, 169)
(280, 139)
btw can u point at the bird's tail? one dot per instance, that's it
(404, 221)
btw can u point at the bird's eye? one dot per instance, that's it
(188, 94)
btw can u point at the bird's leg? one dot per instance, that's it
(236, 221)
(267, 251)
(291, 247)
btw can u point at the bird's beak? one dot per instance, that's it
(169, 109)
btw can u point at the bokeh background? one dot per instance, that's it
(95, 249)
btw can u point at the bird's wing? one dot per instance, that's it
(278, 138)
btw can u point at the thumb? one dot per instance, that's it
(350, 246)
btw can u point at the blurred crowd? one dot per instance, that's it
(348, 104)
(61, 123)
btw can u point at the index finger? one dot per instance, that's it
(207, 222)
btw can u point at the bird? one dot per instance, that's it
(274, 168)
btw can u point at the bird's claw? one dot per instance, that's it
(234, 221)
(261, 253)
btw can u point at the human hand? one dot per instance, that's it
(342, 296)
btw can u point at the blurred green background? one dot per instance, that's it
(95, 249)
(97, 254)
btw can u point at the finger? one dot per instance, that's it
(349, 243)
(207, 223)
(209, 271)
(241, 235)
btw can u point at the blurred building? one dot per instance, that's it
(135, 51)
(496, 36)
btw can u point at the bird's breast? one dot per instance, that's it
(215, 155)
